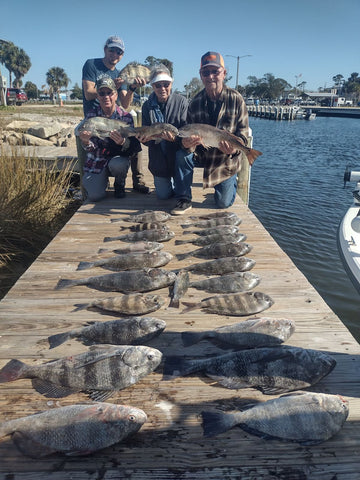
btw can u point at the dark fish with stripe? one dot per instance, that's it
(305, 417)
(73, 429)
(255, 332)
(218, 250)
(142, 280)
(101, 127)
(133, 304)
(101, 371)
(273, 370)
(154, 235)
(221, 266)
(214, 222)
(136, 247)
(230, 283)
(222, 214)
(125, 331)
(179, 288)
(215, 238)
(150, 216)
(238, 304)
(130, 261)
(146, 226)
(222, 229)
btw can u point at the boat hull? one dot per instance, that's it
(348, 241)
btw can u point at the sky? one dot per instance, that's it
(297, 40)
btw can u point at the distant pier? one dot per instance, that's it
(293, 112)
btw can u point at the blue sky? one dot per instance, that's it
(316, 39)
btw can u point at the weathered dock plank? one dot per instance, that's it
(171, 445)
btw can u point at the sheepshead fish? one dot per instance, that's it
(101, 127)
(130, 261)
(220, 266)
(146, 226)
(256, 332)
(179, 288)
(133, 304)
(218, 250)
(134, 70)
(214, 222)
(272, 370)
(238, 304)
(222, 214)
(222, 229)
(156, 130)
(127, 331)
(154, 235)
(305, 417)
(230, 283)
(151, 216)
(101, 371)
(215, 238)
(139, 247)
(142, 280)
(212, 136)
(73, 429)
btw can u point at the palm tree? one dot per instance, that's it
(8, 53)
(56, 78)
(21, 67)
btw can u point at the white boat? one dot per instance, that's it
(349, 233)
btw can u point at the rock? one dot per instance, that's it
(20, 125)
(35, 141)
(47, 131)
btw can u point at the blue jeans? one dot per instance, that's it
(164, 187)
(225, 192)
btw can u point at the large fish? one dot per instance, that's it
(305, 417)
(221, 229)
(101, 127)
(214, 222)
(130, 261)
(154, 235)
(222, 265)
(212, 136)
(221, 214)
(272, 370)
(238, 304)
(256, 332)
(218, 250)
(151, 216)
(73, 429)
(125, 331)
(146, 226)
(156, 130)
(139, 247)
(142, 280)
(215, 238)
(179, 288)
(134, 70)
(133, 304)
(101, 371)
(229, 283)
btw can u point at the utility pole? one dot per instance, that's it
(237, 66)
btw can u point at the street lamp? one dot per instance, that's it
(237, 66)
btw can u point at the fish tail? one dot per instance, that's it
(103, 250)
(182, 256)
(186, 225)
(190, 338)
(114, 220)
(189, 306)
(80, 306)
(64, 283)
(110, 239)
(252, 155)
(85, 265)
(13, 370)
(174, 303)
(178, 366)
(216, 422)
(181, 242)
(58, 339)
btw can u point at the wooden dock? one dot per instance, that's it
(171, 444)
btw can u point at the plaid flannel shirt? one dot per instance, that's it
(233, 117)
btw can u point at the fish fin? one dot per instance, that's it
(63, 283)
(252, 155)
(186, 225)
(181, 242)
(80, 306)
(182, 256)
(13, 370)
(216, 422)
(28, 446)
(103, 250)
(99, 395)
(58, 339)
(110, 239)
(228, 382)
(85, 265)
(51, 390)
(113, 220)
(174, 303)
(273, 390)
(190, 338)
(190, 306)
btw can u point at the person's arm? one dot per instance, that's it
(89, 89)
(126, 96)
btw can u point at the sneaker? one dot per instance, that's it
(141, 188)
(181, 207)
(119, 191)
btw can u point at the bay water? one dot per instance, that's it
(297, 192)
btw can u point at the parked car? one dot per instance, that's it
(15, 96)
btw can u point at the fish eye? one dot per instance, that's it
(150, 356)
(132, 418)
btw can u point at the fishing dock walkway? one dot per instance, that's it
(171, 444)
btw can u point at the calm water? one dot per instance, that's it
(298, 194)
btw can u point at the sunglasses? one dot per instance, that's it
(161, 85)
(207, 73)
(118, 51)
(106, 94)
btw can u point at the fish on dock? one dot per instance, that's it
(99, 372)
(146, 217)
(234, 304)
(136, 247)
(273, 370)
(134, 70)
(179, 288)
(229, 283)
(218, 250)
(146, 226)
(73, 429)
(132, 304)
(206, 216)
(153, 235)
(139, 280)
(307, 418)
(214, 222)
(215, 238)
(130, 261)
(217, 230)
(213, 136)
(255, 332)
(125, 331)
(220, 266)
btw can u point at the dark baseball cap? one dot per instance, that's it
(212, 59)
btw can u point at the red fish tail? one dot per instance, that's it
(13, 370)
(252, 155)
